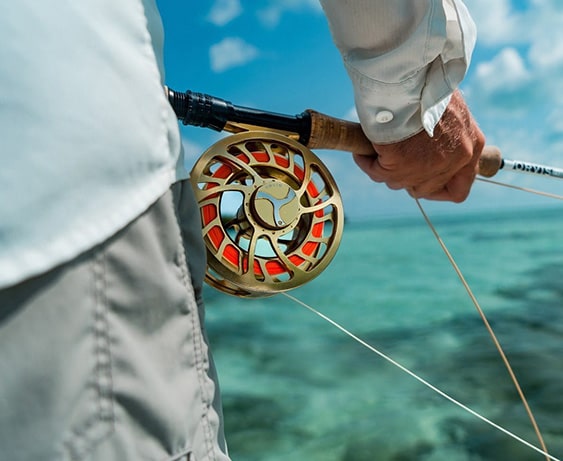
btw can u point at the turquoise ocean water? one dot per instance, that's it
(294, 387)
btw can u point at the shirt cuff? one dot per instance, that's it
(388, 112)
(393, 111)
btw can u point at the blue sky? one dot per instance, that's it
(278, 55)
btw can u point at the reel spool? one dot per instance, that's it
(271, 213)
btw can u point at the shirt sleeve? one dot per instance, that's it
(405, 59)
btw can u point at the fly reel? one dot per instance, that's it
(271, 213)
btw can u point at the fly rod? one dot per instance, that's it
(314, 130)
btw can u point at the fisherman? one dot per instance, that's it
(103, 354)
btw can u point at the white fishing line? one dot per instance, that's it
(487, 325)
(418, 378)
(523, 189)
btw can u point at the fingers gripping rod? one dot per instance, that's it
(314, 130)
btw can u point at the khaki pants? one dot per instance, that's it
(105, 358)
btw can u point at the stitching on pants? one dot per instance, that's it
(102, 422)
(184, 456)
(196, 334)
(104, 381)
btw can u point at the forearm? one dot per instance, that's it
(404, 57)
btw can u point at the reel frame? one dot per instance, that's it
(272, 215)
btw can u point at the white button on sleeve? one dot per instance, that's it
(384, 116)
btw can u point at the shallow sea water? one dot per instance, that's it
(294, 387)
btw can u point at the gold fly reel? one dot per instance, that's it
(272, 215)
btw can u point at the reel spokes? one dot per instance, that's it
(271, 213)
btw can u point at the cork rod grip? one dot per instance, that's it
(337, 134)
(490, 161)
(334, 133)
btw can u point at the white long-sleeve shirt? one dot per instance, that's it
(405, 59)
(88, 140)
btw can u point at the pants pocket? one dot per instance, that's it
(55, 362)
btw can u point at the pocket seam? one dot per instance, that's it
(84, 436)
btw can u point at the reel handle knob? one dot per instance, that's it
(334, 133)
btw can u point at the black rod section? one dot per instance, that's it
(199, 109)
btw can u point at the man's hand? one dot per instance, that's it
(439, 168)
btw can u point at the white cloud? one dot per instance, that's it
(506, 71)
(231, 52)
(500, 23)
(526, 74)
(271, 15)
(224, 11)
(497, 23)
(546, 51)
(515, 95)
